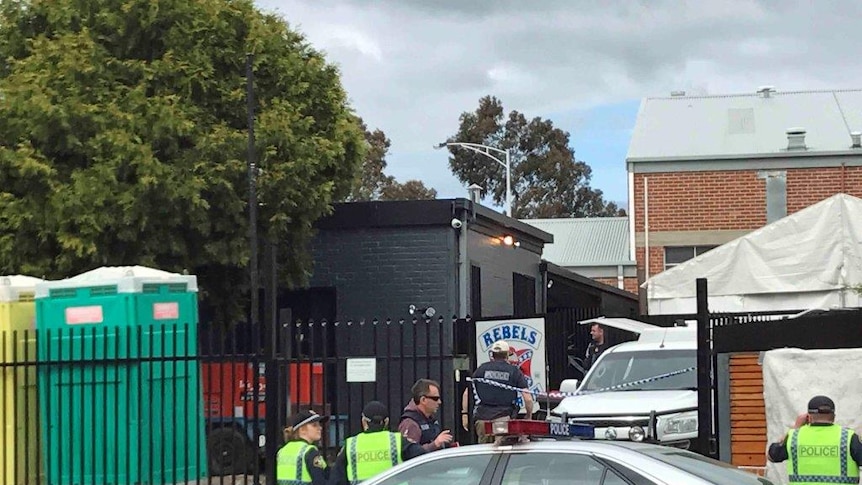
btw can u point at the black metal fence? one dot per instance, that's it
(569, 339)
(373, 360)
(818, 329)
(177, 404)
(165, 404)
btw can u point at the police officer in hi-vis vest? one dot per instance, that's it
(817, 450)
(299, 462)
(374, 450)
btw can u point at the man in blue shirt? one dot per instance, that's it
(493, 402)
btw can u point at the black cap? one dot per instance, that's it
(305, 417)
(821, 405)
(375, 411)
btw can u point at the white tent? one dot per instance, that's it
(809, 259)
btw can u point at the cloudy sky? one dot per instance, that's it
(411, 67)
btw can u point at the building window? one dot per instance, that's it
(680, 254)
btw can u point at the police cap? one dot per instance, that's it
(305, 417)
(375, 411)
(499, 347)
(821, 405)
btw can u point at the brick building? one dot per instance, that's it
(705, 170)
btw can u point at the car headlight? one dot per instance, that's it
(681, 423)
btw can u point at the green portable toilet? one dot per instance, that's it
(119, 385)
(19, 463)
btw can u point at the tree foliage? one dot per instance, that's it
(123, 132)
(409, 190)
(547, 180)
(374, 184)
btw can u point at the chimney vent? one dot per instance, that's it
(475, 192)
(857, 139)
(765, 91)
(796, 139)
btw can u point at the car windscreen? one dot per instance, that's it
(710, 470)
(616, 368)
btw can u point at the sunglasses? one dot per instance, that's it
(433, 398)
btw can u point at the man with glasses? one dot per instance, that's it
(419, 422)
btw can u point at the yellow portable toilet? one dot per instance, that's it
(20, 431)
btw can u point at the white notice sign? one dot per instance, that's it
(362, 370)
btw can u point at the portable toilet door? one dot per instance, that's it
(20, 461)
(121, 389)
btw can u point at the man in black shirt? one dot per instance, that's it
(596, 347)
(494, 403)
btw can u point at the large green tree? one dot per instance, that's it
(374, 184)
(123, 132)
(547, 180)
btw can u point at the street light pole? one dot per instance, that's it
(252, 192)
(486, 150)
(508, 185)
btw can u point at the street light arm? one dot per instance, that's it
(481, 149)
(486, 150)
(476, 145)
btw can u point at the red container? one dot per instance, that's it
(306, 384)
(228, 388)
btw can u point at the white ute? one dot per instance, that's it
(662, 410)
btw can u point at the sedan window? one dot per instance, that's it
(455, 470)
(557, 469)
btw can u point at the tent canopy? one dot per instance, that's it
(809, 259)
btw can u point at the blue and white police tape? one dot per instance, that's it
(580, 393)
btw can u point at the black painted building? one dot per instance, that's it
(374, 260)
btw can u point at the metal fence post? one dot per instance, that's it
(704, 361)
(273, 395)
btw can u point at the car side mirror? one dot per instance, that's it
(569, 385)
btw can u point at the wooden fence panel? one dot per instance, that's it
(747, 411)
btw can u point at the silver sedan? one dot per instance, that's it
(565, 462)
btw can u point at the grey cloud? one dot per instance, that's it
(472, 9)
(412, 66)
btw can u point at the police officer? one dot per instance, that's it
(298, 461)
(494, 403)
(370, 452)
(419, 422)
(817, 450)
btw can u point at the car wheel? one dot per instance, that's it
(228, 452)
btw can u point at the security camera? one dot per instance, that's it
(456, 223)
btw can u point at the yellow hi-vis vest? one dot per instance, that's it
(821, 454)
(290, 463)
(371, 453)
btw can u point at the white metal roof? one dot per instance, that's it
(743, 125)
(586, 241)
